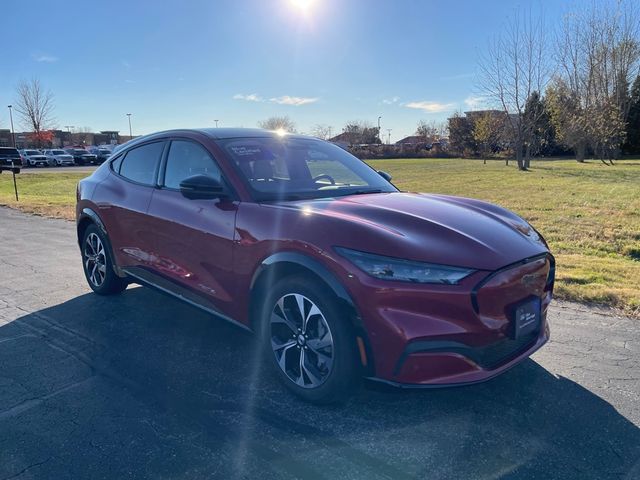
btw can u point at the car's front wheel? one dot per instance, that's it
(309, 340)
(98, 264)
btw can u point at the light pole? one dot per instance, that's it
(216, 123)
(69, 127)
(130, 134)
(379, 136)
(389, 137)
(13, 135)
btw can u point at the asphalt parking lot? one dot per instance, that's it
(141, 386)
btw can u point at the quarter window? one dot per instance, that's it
(187, 159)
(139, 164)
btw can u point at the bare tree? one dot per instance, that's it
(278, 123)
(34, 106)
(359, 132)
(599, 56)
(516, 65)
(431, 131)
(321, 131)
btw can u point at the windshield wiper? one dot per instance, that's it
(363, 191)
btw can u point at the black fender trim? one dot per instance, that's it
(88, 213)
(310, 264)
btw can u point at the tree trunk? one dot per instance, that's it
(527, 157)
(581, 150)
(519, 157)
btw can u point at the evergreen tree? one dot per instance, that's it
(632, 145)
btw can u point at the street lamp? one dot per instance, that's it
(216, 123)
(389, 137)
(379, 136)
(130, 134)
(13, 135)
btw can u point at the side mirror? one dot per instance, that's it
(202, 187)
(384, 175)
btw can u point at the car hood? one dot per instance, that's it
(431, 228)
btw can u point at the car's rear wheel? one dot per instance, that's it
(309, 341)
(98, 264)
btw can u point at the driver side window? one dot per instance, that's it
(187, 159)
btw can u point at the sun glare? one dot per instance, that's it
(303, 5)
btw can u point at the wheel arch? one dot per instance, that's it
(283, 264)
(88, 217)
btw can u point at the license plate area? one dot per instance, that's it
(526, 317)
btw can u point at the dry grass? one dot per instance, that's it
(589, 214)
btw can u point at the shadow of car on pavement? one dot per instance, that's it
(144, 386)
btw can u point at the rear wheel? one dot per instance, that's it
(98, 264)
(309, 341)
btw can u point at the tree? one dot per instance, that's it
(321, 131)
(539, 135)
(606, 130)
(360, 132)
(599, 55)
(514, 67)
(430, 131)
(461, 138)
(34, 107)
(633, 121)
(567, 117)
(278, 123)
(43, 138)
(486, 133)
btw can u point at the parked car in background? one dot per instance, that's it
(82, 156)
(10, 156)
(36, 158)
(340, 274)
(59, 157)
(101, 153)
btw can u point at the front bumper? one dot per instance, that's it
(442, 335)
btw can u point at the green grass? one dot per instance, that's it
(49, 194)
(589, 214)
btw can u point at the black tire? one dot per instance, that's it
(342, 377)
(97, 263)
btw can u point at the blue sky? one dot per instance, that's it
(185, 63)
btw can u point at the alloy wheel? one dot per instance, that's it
(301, 340)
(95, 260)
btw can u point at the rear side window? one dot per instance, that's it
(187, 159)
(139, 164)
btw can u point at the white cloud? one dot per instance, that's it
(474, 102)
(391, 101)
(295, 101)
(253, 97)
(430, 107)
(44, 58)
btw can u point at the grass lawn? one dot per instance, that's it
(589, 214)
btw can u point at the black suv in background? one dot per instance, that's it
(10, 156)
(82, 157)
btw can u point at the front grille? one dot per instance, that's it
(501, 352)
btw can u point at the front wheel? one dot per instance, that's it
(309, 341)
(98, 264)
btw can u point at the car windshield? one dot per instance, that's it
(32, 152)
(58, 152)
(80, 152)
(9, 151)
(291, 168)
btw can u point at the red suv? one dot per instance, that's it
(341, 275)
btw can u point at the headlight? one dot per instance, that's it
(389, 268)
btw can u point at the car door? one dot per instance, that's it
(123, 199)
(194, 237)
